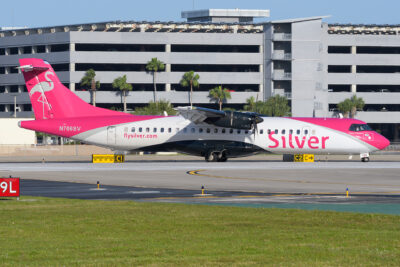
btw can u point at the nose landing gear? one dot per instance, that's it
(364, 157)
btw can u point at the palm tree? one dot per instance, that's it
(345, 107)
(121, 84)
(155, 65)
(350, 106)
(219, 95)
(357, 104)
(156, 108)
(190, 79)
(89, 81)
(250, 104)
(277, 106)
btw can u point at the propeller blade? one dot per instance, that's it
(255, 127)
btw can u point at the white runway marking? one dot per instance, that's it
(143, 192)
(98, 189)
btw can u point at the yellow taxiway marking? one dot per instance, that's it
(197, 173)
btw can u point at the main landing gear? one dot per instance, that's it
(216, 156)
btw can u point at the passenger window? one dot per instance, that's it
(246, 132)
(261, 131)
(290, 131)
(231, 131)
(140, 129)
(200, 130)
(133, 129)
(305, 132)
(154, 130)
(223, 130)
(208, 130)
(269, 131)
(147, 129)
(162, 130)
(193, 130)
(298, 131)
(238, 131)
(276, 131)
(169, 130)
(216, 130)
(283, 131)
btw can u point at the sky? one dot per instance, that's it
(40, 13)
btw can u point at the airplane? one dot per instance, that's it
(212, 134)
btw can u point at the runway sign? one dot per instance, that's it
(9, 187)
(304, 158)
(119, 158)
(108, 158)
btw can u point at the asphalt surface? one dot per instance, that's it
(247, 176)
(366, 203)
(373, 186)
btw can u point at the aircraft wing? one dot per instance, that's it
(198, 114)
(229, 119)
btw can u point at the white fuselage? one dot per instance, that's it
(276, 135)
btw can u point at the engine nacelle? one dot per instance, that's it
(237, 120)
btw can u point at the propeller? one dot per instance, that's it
(255, 119)
(255, 129)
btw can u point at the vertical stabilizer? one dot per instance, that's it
(50, 98)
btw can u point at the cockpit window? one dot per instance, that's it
(360, 127)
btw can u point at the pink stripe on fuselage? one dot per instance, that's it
(337, 124)
(343, 125)
(68, 127)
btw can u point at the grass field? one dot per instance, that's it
(64, 232)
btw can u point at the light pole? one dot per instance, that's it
(15, 106)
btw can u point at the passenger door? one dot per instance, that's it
(111, 135)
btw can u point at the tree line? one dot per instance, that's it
(189, 79)
(275, 106)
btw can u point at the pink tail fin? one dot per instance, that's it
(50, 98)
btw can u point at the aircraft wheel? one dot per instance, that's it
(222, 159)
(211, 157)
(366, 159)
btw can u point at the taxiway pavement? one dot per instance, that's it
(246, 176)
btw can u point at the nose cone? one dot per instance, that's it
(381, 142)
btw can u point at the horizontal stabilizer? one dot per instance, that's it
(27, 68)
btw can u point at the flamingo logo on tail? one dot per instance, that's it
(41, 88)
(45, 86)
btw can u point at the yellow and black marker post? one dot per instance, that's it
(308, 158)
(298, 158)
(119, 158)
(304, 158)
(108, 158)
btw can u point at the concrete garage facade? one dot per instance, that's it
(11, 134)
(314, 64)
